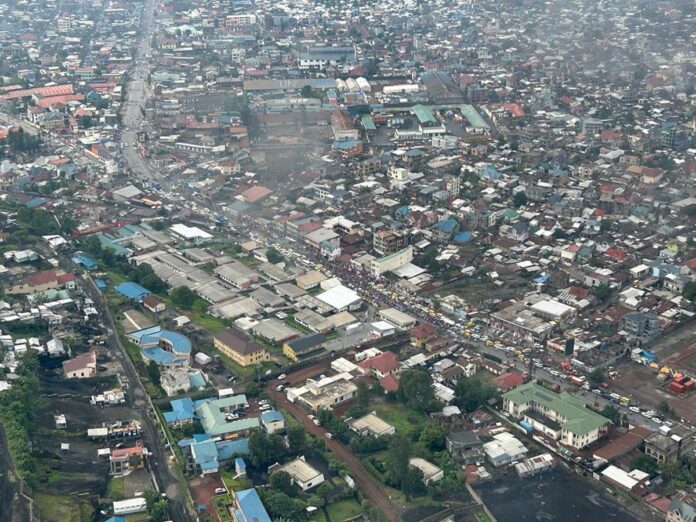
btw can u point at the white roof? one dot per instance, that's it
(551, 307)
(620, 477)
(339, 297)
(188, 232)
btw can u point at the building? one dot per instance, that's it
(641, 325)
(504, 449)
(342, 127)
(154, 304)
(431, 473)
(302, 474)
(123, 461)
(381, 365)
(422, 333)
(391, 262)
(247, 507)
(534, 465)
(341, 298)
(240, 348)
(680, 511)
(164, 347)
(272, 421)
(81, 367)
(371, 425)
(465, 446)
(670, 444)
(562, 417)
(304, 348)
(324, 393)
(386, 242)
(217, 417)
(321, 57)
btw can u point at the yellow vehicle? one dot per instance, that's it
(489, 343)
(624, 401)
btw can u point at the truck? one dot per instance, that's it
(575, 380)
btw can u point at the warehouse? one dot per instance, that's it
(275, 331)
(398, 318)
(341, 298)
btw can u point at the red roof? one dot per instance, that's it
(691, 263)
(389, 383)
(65, 278)
(256, 193)
(423, 331)
(384, 363)
(508, 381)
(54, 90)
(616, 253)
(41, 278)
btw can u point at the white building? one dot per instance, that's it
(302, 474)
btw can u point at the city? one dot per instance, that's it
(323, 261)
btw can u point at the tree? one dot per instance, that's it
(602, 292)
(296, 438)
(519, 199)
(644, 463)
(432, 436)
(280, 505)
(274, 257)
(611, 413)
(415, 390)
(324, 492)
(474, 392)
(153, 373)
(183, 297)
(690, 291)
(282, 481)
(398, 455)
(597, 376)
(264, 449)
(664, 408)
(412, 483)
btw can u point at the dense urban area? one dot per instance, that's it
(362, 260)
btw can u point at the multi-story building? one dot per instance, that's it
(670, 444)
(388, 241)
(238, 347)
(562, 417)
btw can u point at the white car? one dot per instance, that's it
(647, 414)
(282, 376)
(634, 409)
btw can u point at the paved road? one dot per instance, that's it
(370, 486)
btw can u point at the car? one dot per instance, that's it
(634, 409)
(282, 376)
(647, 414)
(265, 407)
(657, 420)
(280, 387)
(329, 435)
(310, 417)
(316, 422)
(219, 491)
(554, 373)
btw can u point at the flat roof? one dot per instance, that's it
(300, 470)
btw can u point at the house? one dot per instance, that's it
(504, 449)
(132, 291)
(272, 421)
(681, 511)
(123, 461)
(431, 473)
(305, 348)
(508, 380)
(81, 367)
(247, 507)
(422, 333)
(304, 475)
(154, 304)
(670, 444)
(464, 446)
(562, 417)
(204, 455)
(381, 365)
(324, 393)
(182, 412)
(372, 425)
(641, 324)
(240, 348)
(216, 417)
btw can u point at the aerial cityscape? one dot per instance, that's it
(362, 260)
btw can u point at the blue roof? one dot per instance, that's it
(346, 144)
(447, 225)
(462, 237)
(182, 409)
(227, 448)
(197, 380)
(85, 261)
(132, 290)
(101, 284)
(250, 506)
(239, 463)
(272, 416)
(35, 202)
(403, 211)
(116, 518)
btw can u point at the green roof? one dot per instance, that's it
(475, 119)
(368, 123)
(578, 418)
(209, 413)
(423, 113)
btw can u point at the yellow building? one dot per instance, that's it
(238, 347)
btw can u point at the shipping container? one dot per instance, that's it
(689, 385)
(527, 427)
(676, 387)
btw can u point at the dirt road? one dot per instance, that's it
(369, 486)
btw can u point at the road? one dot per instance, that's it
(158, 461)
(370, 487)
(136, 94)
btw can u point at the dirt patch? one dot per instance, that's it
(13, 506)
(203, 491)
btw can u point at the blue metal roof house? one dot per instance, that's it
(85, 261)
(131, 290)
(248, 506)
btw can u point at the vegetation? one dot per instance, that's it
(183, 297)
(519, 199)
(644, 463)
(17, 416)
(474, 392)
(416, 392)
(157, 506)
(612, 413)
(264, 449)
(274, 256)
(603, 292)
(20, 141)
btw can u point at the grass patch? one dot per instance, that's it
(138, 517)
(344, 510)
(115, 488)
(482, 517)
(318, 516)
(403, 419)
(221, 502)
(63, 508)
(234, 484)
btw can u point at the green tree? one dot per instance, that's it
(644, 463)
(183, 297)
(324, 492)
(474, 392)
(412, 483)
(265, 450)
(274, 256)
(519, 199)
(690, 291)
(281, 481)
(597, 376)
(397, 458)
(611, 413)
(603, 292)
(432, 436)
(415, 390)
(664, 408)
(296, 438)
(153, 373)
(280, 505)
